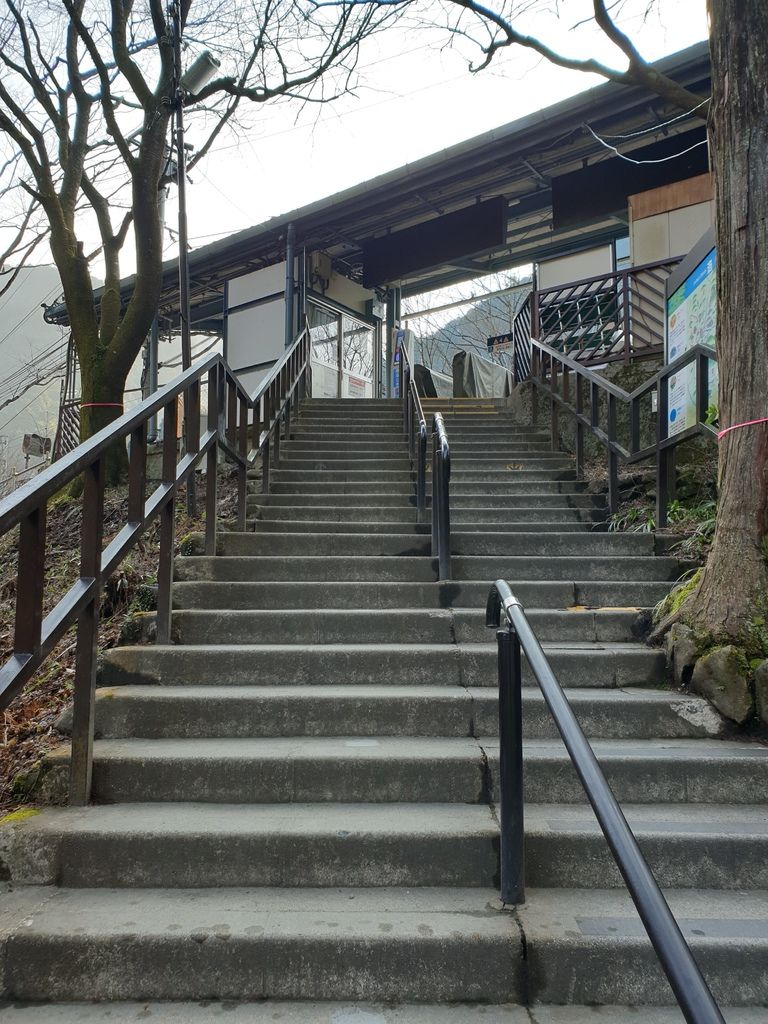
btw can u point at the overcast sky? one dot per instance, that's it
(415, 97)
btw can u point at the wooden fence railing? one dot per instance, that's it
(242, 425)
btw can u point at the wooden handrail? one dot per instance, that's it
(548, 365)
(229, 406)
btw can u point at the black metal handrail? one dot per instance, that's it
(417, 441)
(549, 367)
(677, 961)
(229, 404)
(441, 498)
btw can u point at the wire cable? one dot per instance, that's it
(664, 124)
(631, 160)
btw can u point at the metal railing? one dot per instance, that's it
(228, 428)
(690, 988)
(594, 402)
(415, 426)
(441, 497)
(596, 320)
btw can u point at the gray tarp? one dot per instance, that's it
(475, 377)
(431, 384)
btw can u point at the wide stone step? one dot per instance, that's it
(341, 475)
(338, 434)
(237, 712)
(565, 847)
(304, 526)
(334, 512)
(352, 446)
(414, 770)
(378, 845)
(333, 465)
(517, 472)
(566, 929)
(471, 664)
(403, 488)
(351, 594)
(405, 626)
(256, 944)
(508, 462)
(311, 846)
(486, 542)
(423, 569)
(400, 494)
(270, 525)
(269, 1010)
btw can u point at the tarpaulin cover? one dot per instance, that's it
(475, 377)
(431, 384)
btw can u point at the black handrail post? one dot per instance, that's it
(662, 454)
(435, 505)
(444, 521)
(511, 805)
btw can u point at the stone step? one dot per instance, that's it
(257, 944)
(360, 514)
(423, 569)
(406, 626)
(270, 1010)
(460, 489)
(372, 528)
(491, 543)
(589, 946)
(533, 594)
(383, 476)
(508, 461)
(352, 445)
(311, 846)
(270, 525)
(338, 434)
(565, 847)
(413, 770)
(403, 496)
(469, 664)
(187, 712)
(368, 845)
(385, 466)
(325, 1012)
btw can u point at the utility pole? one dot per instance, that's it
(201, 71)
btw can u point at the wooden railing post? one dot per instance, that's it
(626, 292)
(265, 453)
(192, 416)
(137, 473)
(30, 582)
(579, 383)
(81, 758)
(167, 526)
(211, 475)
(613, 459)
(554, 418)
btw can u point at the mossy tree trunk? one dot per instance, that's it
(734, 584)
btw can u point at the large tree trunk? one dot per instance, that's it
(734, 584)
(102, 394)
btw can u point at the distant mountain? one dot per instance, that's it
(468, 332)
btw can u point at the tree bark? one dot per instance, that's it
(734, 584)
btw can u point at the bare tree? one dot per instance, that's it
(733, 589)
(87, 93)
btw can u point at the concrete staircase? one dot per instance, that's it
(295, 802)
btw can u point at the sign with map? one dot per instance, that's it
(691, 320)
